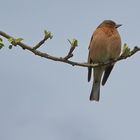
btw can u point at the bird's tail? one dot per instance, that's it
(95, 92)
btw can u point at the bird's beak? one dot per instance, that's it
(118, 25)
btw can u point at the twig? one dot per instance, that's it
(39, 44)
(69, 55)
(74, 44)
(47, 35)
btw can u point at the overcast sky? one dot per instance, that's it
(46, 100)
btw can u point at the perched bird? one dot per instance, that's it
(105, 45)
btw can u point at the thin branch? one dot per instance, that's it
(39, 44)
(74, 44)
(47, 35)
(63, 59)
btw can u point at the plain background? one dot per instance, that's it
(47, 100)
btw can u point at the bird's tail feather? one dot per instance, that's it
(95, 92)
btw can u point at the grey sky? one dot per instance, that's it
(46, 100)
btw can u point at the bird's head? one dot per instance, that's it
(109, 23)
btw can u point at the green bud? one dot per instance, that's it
(126, 50)
(15, 41)
(1, 43)
(74, 42)
(10, 46)
(48, 34)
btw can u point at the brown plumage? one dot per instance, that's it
(105, 45)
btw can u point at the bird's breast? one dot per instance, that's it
(105, 46)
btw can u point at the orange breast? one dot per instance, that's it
(105, 45)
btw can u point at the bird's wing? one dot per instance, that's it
(90, 41)
(107, 73)
(89, 61)
(89, 69)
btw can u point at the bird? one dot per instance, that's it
(104, 46)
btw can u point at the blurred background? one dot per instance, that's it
(47, 100)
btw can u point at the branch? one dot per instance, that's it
(47, 35)
(74, 44)
(125, 53)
